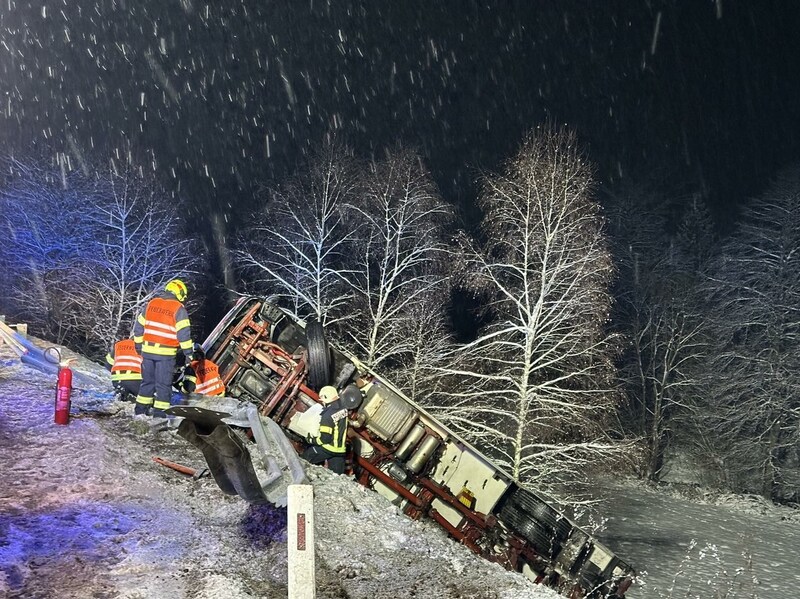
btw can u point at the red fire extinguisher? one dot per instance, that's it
(63, 391)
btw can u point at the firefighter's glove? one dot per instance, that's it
(189, 379)
(177, 377)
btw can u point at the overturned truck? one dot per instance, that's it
(273, 366)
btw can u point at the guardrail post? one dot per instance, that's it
(300, 539)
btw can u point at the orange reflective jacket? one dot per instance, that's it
(206, 378)
(126, 361)
(163, 328)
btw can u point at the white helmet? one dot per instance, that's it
(328, 394)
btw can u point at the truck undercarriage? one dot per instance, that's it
(273, 366)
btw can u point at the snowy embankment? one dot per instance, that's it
(691, 542)
(85, 512)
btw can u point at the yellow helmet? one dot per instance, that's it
(178, 289)
(328, 394)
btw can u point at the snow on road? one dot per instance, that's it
(85, 512)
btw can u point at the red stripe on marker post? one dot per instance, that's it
(302, 582)
(301, 532)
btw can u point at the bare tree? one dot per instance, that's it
(668, 341)
(430, 351)
(358, 249)
(654, 314)
(43, 242)
(87, 250)
(137, 246)
(401, 259)
(751, 406)
(299, 246)
(540, 386)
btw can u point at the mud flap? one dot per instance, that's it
(258, 472)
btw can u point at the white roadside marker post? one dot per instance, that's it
(300, 537)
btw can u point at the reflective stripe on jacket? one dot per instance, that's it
(206, 378)
(126, 364)
(333, 428)
(163, 327)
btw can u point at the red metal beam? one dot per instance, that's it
(389, 481)
(454, 532)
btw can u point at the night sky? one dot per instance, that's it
(217, 97)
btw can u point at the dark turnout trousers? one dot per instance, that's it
(156, 388)
(128, 389)
(319, 455)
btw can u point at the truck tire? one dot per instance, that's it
(549, 517)
(543, 513)
(523, 524)
(319, 356)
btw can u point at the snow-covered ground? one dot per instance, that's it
(86, 513)
(689, 542)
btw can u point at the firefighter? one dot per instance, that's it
(202, 375)
(161, 331)
(329, 446)
(125, 365)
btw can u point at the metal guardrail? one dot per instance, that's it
(47, 360)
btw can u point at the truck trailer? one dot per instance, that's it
(273, 365)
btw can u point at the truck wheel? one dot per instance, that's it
(523, 524)
(539, 510)
(546, 515)
(319, 356)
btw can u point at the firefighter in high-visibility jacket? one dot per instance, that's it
(160, 332)
(329, 446)
(202, 375)
(125, 365)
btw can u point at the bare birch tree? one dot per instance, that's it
(668, 341)
(87, 250)
(401, 259)
(430, 351)
(752, 402)
(137, 246)
(299, 247)
(540, 386)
